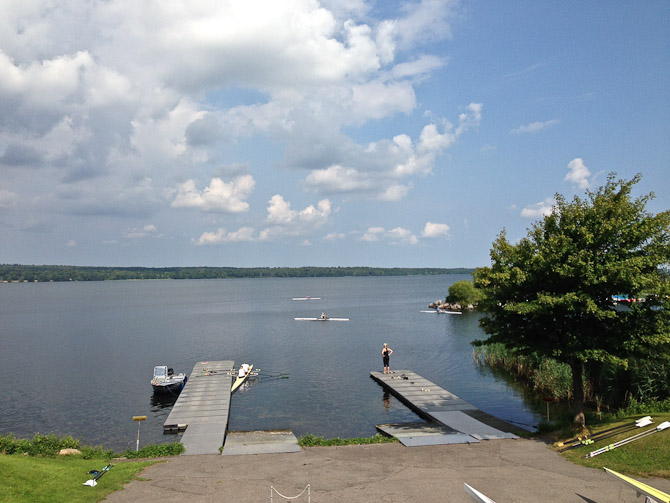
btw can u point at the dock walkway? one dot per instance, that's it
(203, 407)
(462, 420)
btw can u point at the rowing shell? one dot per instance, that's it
(442, 312)
(321, 319)
(306, 298)
(642, 488)
(476, 495)
(240, 380)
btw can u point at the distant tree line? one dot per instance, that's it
(32, 273)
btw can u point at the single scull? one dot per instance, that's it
(240, 380)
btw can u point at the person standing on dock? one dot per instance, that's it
(386, 356)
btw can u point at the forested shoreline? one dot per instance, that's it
(18, 273)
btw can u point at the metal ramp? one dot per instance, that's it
(437, 404)
(416, 434)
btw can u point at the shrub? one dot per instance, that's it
(464, 293)
(50, 445)
(156, 451)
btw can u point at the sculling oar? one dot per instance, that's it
(97, 474)
(611, 432)
(272, 378)
(620, 427)
(628, 440)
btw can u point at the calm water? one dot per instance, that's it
(78, 357)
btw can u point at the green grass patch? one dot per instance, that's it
(646, 457)
(156, 451)
(314, 441)
(45, 479)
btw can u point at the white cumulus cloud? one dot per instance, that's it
(433, 230)
(222, 236)
(378, 169)
(286, 221)
(539, 210)
(218, 196)
(578, 174)
(396, 235)
(335, 236)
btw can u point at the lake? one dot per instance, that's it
(78, 357)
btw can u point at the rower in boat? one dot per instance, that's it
(243, 373)
(323, 316)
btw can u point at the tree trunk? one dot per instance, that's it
(577, 367)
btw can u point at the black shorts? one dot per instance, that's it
(386, 360)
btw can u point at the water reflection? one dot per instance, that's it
(386, 400)
(159, 402)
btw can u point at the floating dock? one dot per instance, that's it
(203, 407)
(461, 421)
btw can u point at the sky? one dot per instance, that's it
(317, 133)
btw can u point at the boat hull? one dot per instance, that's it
(169, 387)
(321, 319)
(240, 380)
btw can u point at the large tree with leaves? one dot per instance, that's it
(550, 294)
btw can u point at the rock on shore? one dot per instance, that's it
(446, 306)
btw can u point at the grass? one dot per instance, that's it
(47, 479)
(646, 457)
(314, 441)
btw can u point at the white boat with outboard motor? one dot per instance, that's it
(166, 381)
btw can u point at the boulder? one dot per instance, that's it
(68, 452)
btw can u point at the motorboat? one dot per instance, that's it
(166, 381)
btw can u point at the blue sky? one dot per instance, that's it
(341, 132)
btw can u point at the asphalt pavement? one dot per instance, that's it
(519, 471)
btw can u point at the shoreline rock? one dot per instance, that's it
(69, 452)
(446, 306)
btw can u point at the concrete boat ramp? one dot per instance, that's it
(202, 411)
(452, 419)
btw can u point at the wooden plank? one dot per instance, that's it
(441, 406)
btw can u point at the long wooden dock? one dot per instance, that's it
(203, 407)
(463, 420)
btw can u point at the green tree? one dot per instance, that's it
(464, 292)
(551, 293)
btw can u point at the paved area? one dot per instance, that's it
(519, 471)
